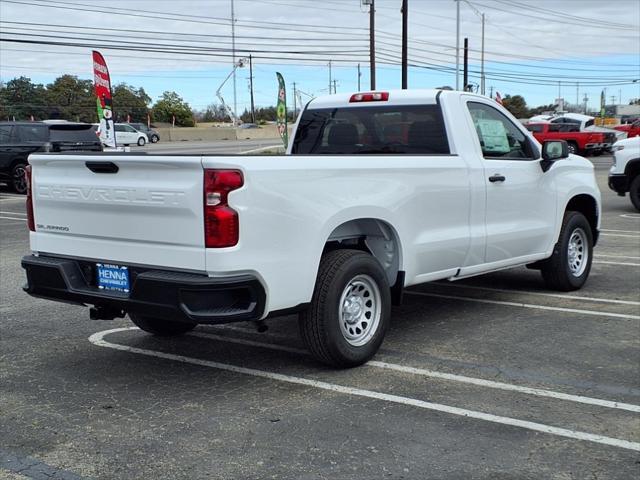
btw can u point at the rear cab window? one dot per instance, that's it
(73, 133)
(372, 129)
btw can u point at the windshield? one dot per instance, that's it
(413, 129)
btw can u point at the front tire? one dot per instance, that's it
(569, 266)
(19, 178)
(154, 139)
(350, 310)
(634, 192)
(160, 327)
(141, 142)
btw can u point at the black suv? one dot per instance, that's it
(152, 135)
(19, 139)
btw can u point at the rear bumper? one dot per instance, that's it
(619, 183)
(177, 296)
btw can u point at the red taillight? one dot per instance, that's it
(30, 220)
(369, 97)
(221, 225)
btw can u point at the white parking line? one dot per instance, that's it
(630, 215)
(528, 305)
(15, 219)
(619, 235)
(98, 340)
(538, 392)
(628, 264)
(620, 231)
(542, 294)
(618, 256)
(17, 214)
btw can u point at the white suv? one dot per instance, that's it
(624, 175)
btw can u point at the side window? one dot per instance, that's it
(129, 129)
(5, 134)
(29, 133)
(498, 136)
(535, 128)
(119, 128)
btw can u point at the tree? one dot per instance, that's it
(172, 104)
(516, 105)
(70, 98)
(128, 100)
(213, 113)
(543, 108)
(20, 98)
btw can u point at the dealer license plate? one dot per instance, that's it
(112, 277)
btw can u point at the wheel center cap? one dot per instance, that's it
(353, 307)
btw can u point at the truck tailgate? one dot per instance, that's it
(126, 209)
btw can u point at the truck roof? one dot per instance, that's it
(396, 97)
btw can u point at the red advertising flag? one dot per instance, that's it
(498, 97)
(102, 89)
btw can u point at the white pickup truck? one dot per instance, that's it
(378, 191)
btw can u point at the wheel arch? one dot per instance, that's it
(373, 235)
(632, 168)
(588, 206)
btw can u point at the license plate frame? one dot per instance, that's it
(113, 277)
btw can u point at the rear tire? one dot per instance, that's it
(634, 192)
(350, 310)
(154, 139)
(572, 147)
(141, 142)
(569, 266)
(19, 178)
(161, 327)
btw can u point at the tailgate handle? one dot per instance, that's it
(102, 167)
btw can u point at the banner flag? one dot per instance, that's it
(281, 111)
(102, 88)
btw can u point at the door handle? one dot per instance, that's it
(102, 167)
(497, 178)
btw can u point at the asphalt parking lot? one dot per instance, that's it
(490, 378)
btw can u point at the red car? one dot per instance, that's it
(578, 142)
(632, 129)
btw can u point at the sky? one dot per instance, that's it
(538, 49)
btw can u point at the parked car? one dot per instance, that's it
(631, 129)
(624, 175)
(19, 139)
(127, 135)
(334, 230)
(151, 134)
(587, 124)
(587, 143)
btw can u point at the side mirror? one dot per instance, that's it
(553, 150)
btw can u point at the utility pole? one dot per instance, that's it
(405, 26)
(233, 59)
(457, 44)
(335, 90)
(465, 76)
(585, 100)
(372, 40)
(295, 105)
(490, 92)
(330, 81)
(577, 93)
(253, 109)
(359, 75)
(482, 79)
